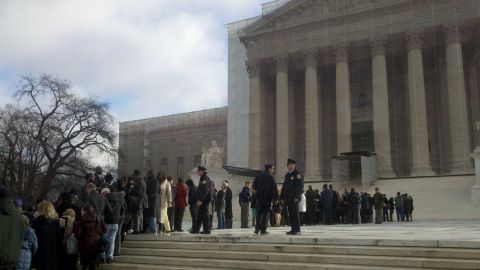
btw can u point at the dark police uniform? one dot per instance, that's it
(292, 189)
(204, 194)
(265, 192)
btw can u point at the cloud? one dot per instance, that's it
(145, 57)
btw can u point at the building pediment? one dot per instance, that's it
(305, 11)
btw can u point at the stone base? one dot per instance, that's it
(386, 173)
(422, 171)
(475, 195)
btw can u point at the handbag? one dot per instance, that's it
(71, 245)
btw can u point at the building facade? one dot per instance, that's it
(173, 144)
(397, 78)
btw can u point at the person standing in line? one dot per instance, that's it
(378, 203)
(204, 198)
(99, 179)
(253, 206)
(311, 205)
(353, 202)
(112, 220)
(291, 194)
(69, 248)
(326, 198)
(192, 201)
(152, 196)
(336, 201)
(228, 207)
(47, 229)
(171, 208)
(29, 248)
(138, 196)
(244, 200)
(391, 204)
(89, 230)
(302, 208)
(265, 192)
(220, 207)
(165, 195)
(180, 204)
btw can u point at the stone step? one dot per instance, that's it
(453, 253)
(129, 266)
(254, 257)
(148, 262)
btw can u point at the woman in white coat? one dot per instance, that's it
(302, 208)
(165, 201)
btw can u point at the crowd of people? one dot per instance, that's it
(88, 225)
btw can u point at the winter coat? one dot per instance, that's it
(220, 202)
(165, 195)
(244, 196)
(12, 229)
(88, 232)
(192, 195)
(181, 196)
(102, 207)
(118, 206)
(302, 206)
(49, 241)
(152, 197)
(29, 248)
(228, 204)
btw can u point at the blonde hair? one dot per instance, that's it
(47, 210)
(26, 220)
(69, 212)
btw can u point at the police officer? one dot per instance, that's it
(291, 194)
(204, 198)
(265, 191)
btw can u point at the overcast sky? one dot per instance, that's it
(145, 57)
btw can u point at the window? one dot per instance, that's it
(197, 161)
(164, 165)
(180, 167)
(148, 164)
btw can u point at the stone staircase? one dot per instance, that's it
(293, 253)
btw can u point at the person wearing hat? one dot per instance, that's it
(291, 194)
(204, 198)
(265, 191)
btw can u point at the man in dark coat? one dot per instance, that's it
(112, 220)
(291, 194)
(244, 199)
(228, 207)
(353, 202)
(12, 229)
(99, 203)
(152, 197)
(192, 200)
(265, 192)
(335, 204)
(204, 198)
(326, 198)
(312, 202)
(139, 200)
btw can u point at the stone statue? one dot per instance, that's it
(213, 156)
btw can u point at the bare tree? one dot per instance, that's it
(45, 134)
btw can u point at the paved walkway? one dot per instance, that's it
(437, 234)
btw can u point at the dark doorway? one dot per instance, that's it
(362, 137)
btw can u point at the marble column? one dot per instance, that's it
(282, 115)
(420, 157)
(457, 101)
(344, 113)
(254, 161)
(381, 116)
(475, 190)
(312, 110)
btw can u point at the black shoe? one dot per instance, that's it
(205, 232)
(194, 232)
(109, 260)
(264, 233)
(179, 230)
(295, 233)
(289, 233)
(256, 231)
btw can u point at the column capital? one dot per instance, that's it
(452, 33)
(341, 52)
(282, 62)
(378, 45)
(414, 39)
(253, 68)
(311, 57)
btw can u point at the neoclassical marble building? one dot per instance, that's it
(393, 77)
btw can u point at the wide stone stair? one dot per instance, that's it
(293, 253)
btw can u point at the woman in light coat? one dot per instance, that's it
(165, 201)
(302, 208)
